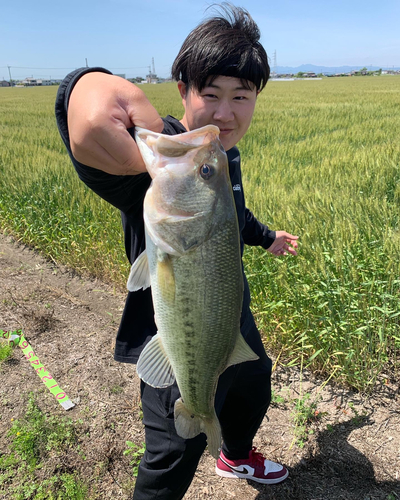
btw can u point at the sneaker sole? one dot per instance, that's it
(237, 475)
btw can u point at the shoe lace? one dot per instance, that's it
(256, 457)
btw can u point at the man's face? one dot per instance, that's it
(225, 103)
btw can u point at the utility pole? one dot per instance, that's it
(86, 62)
(9, 72)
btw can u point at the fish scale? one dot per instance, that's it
(216, 320)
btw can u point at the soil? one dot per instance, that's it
(353, 445)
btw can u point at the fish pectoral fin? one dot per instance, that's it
(242, 352)
(188, 426)
(139, 276)
(153, 366)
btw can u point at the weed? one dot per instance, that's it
(5, 351)
(304, 413)
(358, 418)
(136, 453)
(35, 434)
(65, 487)
(35, 438)
(277, 399)
(116, 389)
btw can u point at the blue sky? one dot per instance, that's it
(48, 39)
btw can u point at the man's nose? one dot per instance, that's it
(223, 112)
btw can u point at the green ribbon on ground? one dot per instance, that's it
(16, 338)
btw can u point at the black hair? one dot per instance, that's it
(226, 45)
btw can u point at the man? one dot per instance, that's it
(220, 70)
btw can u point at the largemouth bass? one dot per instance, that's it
(193, 263)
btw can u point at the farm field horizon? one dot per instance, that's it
(321, 160)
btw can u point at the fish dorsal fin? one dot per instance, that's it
(242, 352)
(139, 276)
(153, 366)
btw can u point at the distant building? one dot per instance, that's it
(31, 82)
(4, 83)
(151, 78)
(34, 82)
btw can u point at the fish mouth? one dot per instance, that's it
(181, 215)
(174, 214)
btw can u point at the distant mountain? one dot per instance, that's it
(325, 69)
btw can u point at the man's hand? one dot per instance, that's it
(284, 243)
(100, 110)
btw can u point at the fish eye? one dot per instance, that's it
(206, 171)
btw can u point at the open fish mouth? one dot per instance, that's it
(172, 214)
(180, 215)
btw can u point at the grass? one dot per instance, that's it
(135, 453)
(31, 467)
(304, 412)
(321, 160)
(5, 351)
(327, 169)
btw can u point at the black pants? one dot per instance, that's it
(170, 462)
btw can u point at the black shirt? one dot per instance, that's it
(126, 192)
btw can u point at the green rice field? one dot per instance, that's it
(321, 160)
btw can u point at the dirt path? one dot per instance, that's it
(353, 452)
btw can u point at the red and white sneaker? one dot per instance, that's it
(256, 468)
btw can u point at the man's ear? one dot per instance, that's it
(182, 89)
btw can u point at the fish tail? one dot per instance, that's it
(188, 426)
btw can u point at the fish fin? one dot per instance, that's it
(166, 277)
(242, 352)
(212, 429)
(153, 366)
(139, 276)
(188, 426)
